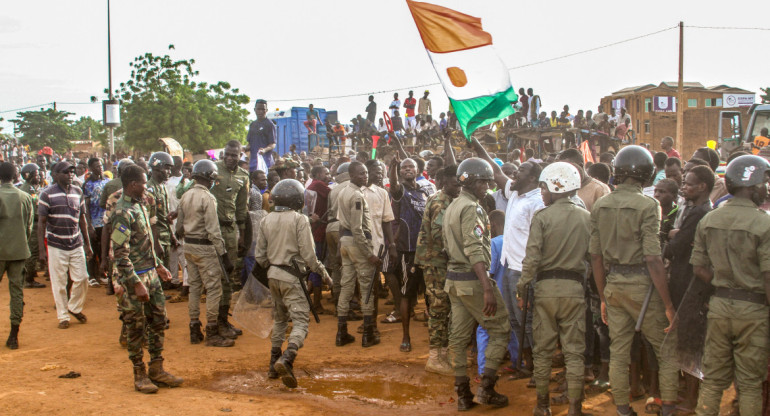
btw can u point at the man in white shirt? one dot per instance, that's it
(395, 104)
(176, 257)
(523, 193)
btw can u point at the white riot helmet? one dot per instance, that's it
(560, 177)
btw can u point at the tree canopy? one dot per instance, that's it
(46, 128)
(89, 129)
(162, 99)
(766, 96)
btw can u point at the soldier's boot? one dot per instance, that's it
(213, 339)
(196, 336)
(543, 407)
(443, 355)
(160, 377)
(464, 395)
(369, 338)
(486, 393)
(576, 408)
(285, 364)
(123, 339)
(436, 365)
(13, 338)
(343, 338)
(141, 382)
(275, 354)
(225, 329)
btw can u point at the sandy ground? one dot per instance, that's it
(346, 381)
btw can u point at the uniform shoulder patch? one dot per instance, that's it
(478, 231)
(358, 205)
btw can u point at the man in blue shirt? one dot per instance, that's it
(261, 136)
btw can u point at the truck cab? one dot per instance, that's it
(732, 136)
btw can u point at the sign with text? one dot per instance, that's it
(737, 100)
(664, 104)
(111, 113)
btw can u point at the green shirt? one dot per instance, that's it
(16, 213)
(430, 244)
(159, 210)
(109, 188)
(625, 226)
(466, 234)
(558, 240)
(131, 240)
(232, 194)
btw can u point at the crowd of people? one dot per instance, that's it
(528, 261)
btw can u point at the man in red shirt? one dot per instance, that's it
(316, 203)
(410, 103)
(667, 144)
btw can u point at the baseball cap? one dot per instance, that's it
(62, 167)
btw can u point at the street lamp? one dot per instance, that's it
(111, 107)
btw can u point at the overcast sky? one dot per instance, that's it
(280, 50)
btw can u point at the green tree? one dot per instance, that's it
(46, 128)
(89, 129)
(766, 96)
(162, 100)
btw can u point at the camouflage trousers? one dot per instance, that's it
(144, 319)
(439, 306)
(30, 265)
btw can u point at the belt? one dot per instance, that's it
(461, 276)
(288, 269)
(198, 241)
(740, 294)
(560, 274)
(332, 221)
(143, 271)
(226, 223)
(344, 232)
(640, 268)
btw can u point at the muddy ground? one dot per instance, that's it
(344, 381)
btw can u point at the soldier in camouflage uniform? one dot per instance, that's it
(431, 256)
(142, 300)
(31, 175)
(160, 165)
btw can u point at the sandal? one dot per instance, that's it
(598, 387)
(405, 347)
(390, 319)
(79, 316)
(653, 406)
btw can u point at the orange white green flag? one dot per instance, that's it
(474, 77)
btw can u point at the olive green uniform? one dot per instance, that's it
(277, 247)
(467, 242)
(232, 193)
(198, 223)
(110, 188)
(333, 237)
(430, 254)
(624, 229)
(30, 266)
(555, 260)
(16, 210)
(735, 241)
(355, 247)
(160, 211)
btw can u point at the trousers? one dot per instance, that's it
(440, 306)
(72, 264)
(204, 271)
(355, 267)
(144, 319)
(289, 303)
(14, 268)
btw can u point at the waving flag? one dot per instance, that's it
(475, 79)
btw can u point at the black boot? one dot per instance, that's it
(576, 408)
(486, 393)
(213, 339)
(196, 336)
(464, 395)
(369, 338)
(343, 338)
(285, 365)
(275, 354)
(225, 328)
(13, 338)
(543, 407)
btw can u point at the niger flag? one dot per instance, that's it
(475, 79)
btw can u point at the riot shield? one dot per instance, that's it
(683, 346)
(254, 310)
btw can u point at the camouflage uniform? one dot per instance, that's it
(159, 211)
(135, 260)
(110, 188)
(30, 264)
(431, 255)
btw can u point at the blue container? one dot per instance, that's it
(290, 129)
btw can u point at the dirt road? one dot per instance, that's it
(344, 381)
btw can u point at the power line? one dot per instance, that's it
(728, 28)
(510, 69)
(26, 108)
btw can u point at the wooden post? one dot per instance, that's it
(680, 92)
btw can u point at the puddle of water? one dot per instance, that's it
(378, 389)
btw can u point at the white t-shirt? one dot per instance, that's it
(381, 211)
(394, 103)
(518, 218)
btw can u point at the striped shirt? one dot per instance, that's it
(62, 210)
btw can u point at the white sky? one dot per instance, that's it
(57, 50)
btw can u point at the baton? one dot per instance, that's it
(643, 311)
(523, 331)
(374, 275)
(304, 290)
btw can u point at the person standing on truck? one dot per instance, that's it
(261, 136)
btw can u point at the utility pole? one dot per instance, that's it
(680, 92)
(109, 77)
